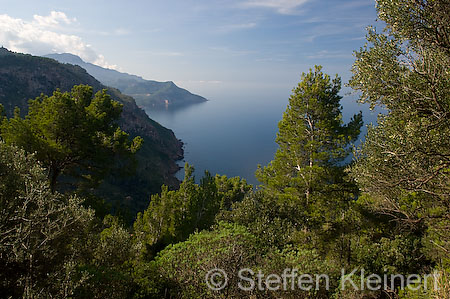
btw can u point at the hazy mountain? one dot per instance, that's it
(147, 93)
(23, 77)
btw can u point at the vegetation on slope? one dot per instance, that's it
(25, 77)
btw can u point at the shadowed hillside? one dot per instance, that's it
(24, 77)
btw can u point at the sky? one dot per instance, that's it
(207, 46)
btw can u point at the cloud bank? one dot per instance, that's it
(40, 36)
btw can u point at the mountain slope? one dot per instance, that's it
(147, 93)
(23, 77)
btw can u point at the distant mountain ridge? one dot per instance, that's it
(147, 93)
(24, 77)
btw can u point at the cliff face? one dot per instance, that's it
(24, 77)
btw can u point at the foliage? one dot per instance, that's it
(312, 141)
(71, 133)
(173, 215)
(228, 247)
(50, 244)
(271, 223)
(306, 177)
(231, 248)
(305, 262)
(403, 166)
(25, 77)
(2, 112)
(39, 230)
(106, 262)
(437, 285)
(398, 254)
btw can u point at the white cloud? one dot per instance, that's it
(53, 20)
(281, 6)
(41, 36)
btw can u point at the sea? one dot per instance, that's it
(232, 135)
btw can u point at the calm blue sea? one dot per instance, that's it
(232, 135)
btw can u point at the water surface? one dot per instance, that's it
(232, 135)
(226, 136)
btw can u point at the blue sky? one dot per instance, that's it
(208, 47)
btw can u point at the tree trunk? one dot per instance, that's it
(53, 176)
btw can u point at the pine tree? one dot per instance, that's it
(307, 173)
(72, 133)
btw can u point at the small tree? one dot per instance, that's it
(72, 133)
(307, 172)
